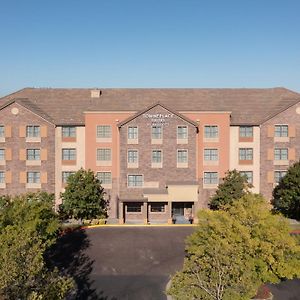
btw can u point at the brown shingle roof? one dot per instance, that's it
(66, 106)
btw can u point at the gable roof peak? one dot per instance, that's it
(152, 106)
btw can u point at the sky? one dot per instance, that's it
(149, 43)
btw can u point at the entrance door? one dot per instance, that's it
(181, 212)
(177, 209)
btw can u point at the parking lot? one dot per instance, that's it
(116, 263)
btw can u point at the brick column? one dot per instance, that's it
(121, 213)
(145, 212)
(194, 213)
(169, 211)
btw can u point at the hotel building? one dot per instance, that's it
(159, 153)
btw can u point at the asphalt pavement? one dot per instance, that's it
(135, 262)
(132, 263)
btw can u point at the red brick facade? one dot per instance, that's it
(17, 118)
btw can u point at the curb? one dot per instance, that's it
(169, 297)
(138, 225)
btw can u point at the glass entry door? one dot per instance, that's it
(177, 209)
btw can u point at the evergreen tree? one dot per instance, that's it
(233, 187)
(83, 197)
(286, 195)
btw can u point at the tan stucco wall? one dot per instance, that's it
(79, 145)
(176, 193)
(234, 154)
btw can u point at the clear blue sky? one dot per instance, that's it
(149, 43)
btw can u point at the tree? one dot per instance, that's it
(234, 251)
(84, 196)
(286, 195)
(233, 187)
(28, 227)
(33, 212)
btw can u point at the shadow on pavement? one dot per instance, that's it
(69, 256)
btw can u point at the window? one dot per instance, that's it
(66, 175)
(135, 180)
(211, 154)
(103, 131)
(132, 132)
(2, 154)
(246, 154)
(157, 207)
(182, 156)
(133, 156)
(33, 131)
(182, 132)
(33, 154)
(281, 154)
(2, 131)
(211, 131)
(281, 130)
(246, 131)
(156, 132)
(2, 177)
(211, 178)
(134, 207)
(104, 177)
(278, 175)
(33, 177)
(248, 175)
(156, 156)
(68, 131)
(104, 154)
(68, 154)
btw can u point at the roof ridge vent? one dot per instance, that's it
(96, 93)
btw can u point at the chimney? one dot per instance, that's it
(96, 93)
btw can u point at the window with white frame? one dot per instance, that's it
(33, 131)
(2, 154)
(132, 132)
(2, 177)
(246, 154)
(246, 131)
(211, 131)
(182, 156)
(68, 131)
(132, 156)
(281, 154)
(65, 176)
(248, 175)
(2, 131)
(211, 154)
(156, 156)
(211, 178)
(33, 154)
(182, 132)
(281, 130)
(156, 132)
(33, 177)
(103, 131)
(104, 154)
(69, 154)
(135, 180)
(278, 175)
(104, 177)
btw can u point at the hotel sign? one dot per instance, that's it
(159, 118)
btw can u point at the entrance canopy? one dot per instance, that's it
(175, 192)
